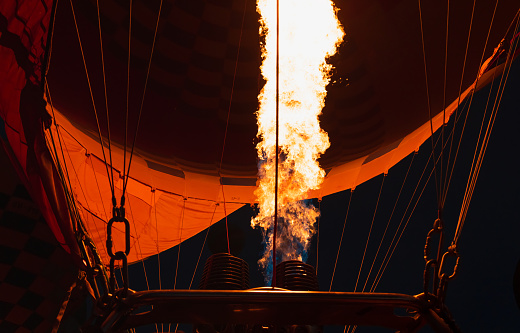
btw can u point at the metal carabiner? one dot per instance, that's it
(452, 251)
(426, 277)
(109, 242)
(437, 228)
(120, 255)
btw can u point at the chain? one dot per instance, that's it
(434, 262)
(118, 215)
(440, 276)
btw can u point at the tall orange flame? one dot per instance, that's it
(309, 32)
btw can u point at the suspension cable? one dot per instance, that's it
(227, 124)
(125, 179)
(341, 239)
(203, 244)
(471, 97)
(370, 231)
(140, 252)
(101, 141)
(50, 38)
(101, 199)
(82, 233)
(473, 162)
(389, 252)
(157, 243)
(277, 99)
(106, 102)
(318, 236)
(445, 177)
(388, 223)
(441, 178)
(476, 169)
(178, 255)
(64, 176)
(180, 242)
(393, 246)
(127, 103)
(428, 99)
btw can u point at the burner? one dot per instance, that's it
(296, 275)
(225, 272)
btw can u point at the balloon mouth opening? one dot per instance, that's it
(223, 271)
(296, 275)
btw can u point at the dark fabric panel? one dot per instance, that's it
(19, 277)
(5, 308)
(165, 169)
(8, 327)
(17, 222)
(33, 321)
(40, 248)
(238, 181)
(8, 255)
(31, 300)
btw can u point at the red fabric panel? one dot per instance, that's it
(24, 27)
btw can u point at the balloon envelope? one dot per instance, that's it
(195, 159)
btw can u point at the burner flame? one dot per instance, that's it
(309, 32)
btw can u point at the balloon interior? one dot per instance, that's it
(138, 125)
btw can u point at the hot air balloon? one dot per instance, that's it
(150, 106)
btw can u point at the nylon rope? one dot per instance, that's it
(101, 142)
(481, 61)
(227, 124)
(341, 239)
(496, 105)
(404, 214)
(140, 252)
(106, 101)
(157, 238)
(125, 179)
(138, 249)
(81, 187)
(55, 158)
(318, 237)
(157, 245)
(374, 285)
(277, 98)
(428, 96)
(476, 82)
(80, 216)
(202, 249)
(370, 232)
(477, 171)
(59, 138)
(127, 102)
(180, 242)
(71, 203)
(70, 199)
(50, 40)
(388, 223)
(446, 177)
(178, 253)
(474, 161)
(102, 203)
(441, 180)
(63, 176)
(93, 216)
